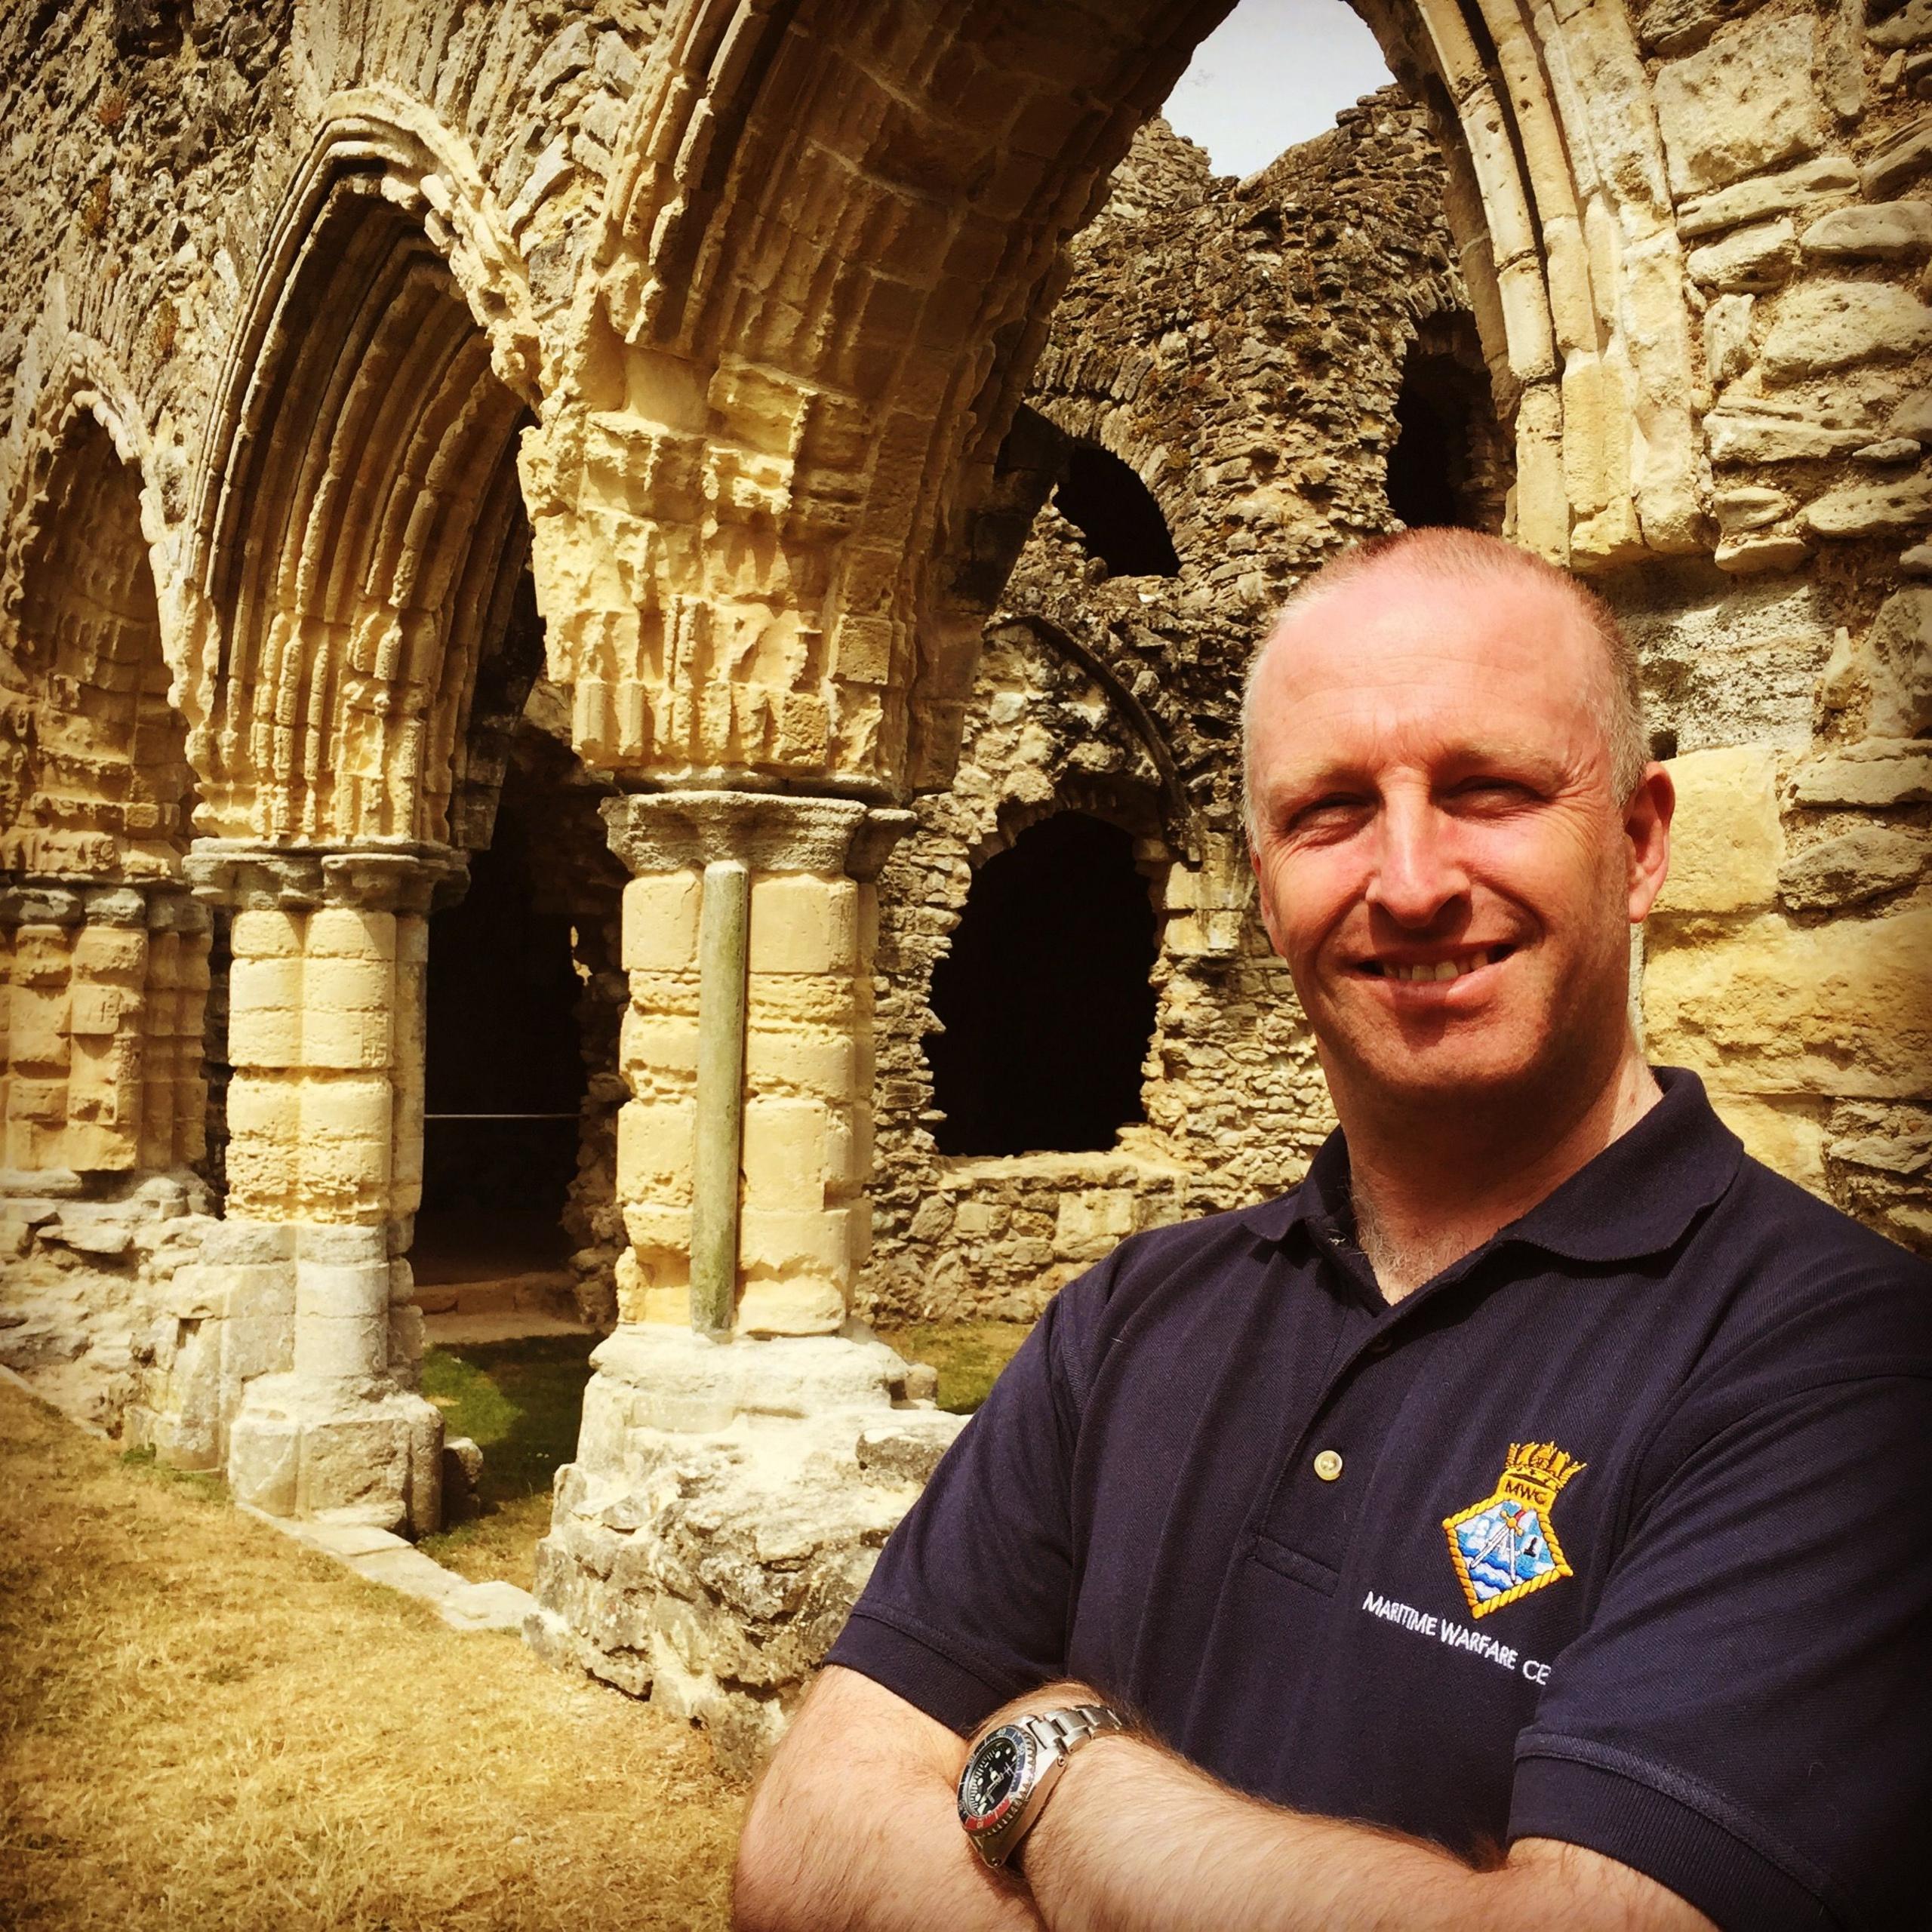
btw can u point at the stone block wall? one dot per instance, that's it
(102, 992)
(323, 1009)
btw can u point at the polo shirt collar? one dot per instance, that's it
(1636, 1198)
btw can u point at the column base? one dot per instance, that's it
(728, 1502)
(366, 1454)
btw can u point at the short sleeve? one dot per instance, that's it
(1748, 1717)
(970, 1603)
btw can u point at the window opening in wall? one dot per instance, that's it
(1044, 996)
(1110, 506)
(1446, 445)
(504, 1077)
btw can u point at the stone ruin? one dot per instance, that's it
(776, 510)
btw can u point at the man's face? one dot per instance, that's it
(1442, 860)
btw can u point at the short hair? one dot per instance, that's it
(1468, 556)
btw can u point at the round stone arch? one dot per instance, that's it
(1105, 429)
(1559, 199)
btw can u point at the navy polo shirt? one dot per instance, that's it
(1618, 1531)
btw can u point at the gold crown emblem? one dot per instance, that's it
(1535, 1471)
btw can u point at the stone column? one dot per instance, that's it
(745, 1451)
(319, 1336)
(103, 1100)
(100, 1026)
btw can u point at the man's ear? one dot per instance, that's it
(1262, 902)
(1647, 828)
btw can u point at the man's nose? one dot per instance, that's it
(1418, 873)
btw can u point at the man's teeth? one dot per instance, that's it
(1443, 969)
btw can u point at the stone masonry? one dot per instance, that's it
(360, 366)
(1197, 341)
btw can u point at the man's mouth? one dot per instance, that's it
(1449, 966)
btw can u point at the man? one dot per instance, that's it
(1524, 1523)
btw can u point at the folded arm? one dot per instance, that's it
(1136, 1839)
(854, 1825)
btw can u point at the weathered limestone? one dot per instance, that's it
(1893, 232)
(809, 864)
(305, 1298)
(302, 321)
(1831, 325)
(1744, 103)
(1727, 841)
(724, 1509)
(1900, 646)
(102, 986)
(746, 1448)
(1773, 1008)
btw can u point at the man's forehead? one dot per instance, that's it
(1388, 626)
(1403, 665)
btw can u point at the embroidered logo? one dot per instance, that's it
(1505, 1546)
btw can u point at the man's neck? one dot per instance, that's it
(1426, 1193)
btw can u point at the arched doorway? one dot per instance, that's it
(1044, 1000)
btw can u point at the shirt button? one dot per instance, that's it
(1328, 1465)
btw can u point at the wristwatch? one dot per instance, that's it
(1008, 1774)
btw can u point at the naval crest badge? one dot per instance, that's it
(1505, 1546)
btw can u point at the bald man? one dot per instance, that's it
(1521, 1523)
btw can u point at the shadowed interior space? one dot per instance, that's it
(505, 1076)
(1110, 506)
(1044, 999)
(1440, 468)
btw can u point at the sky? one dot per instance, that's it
(1274, 73)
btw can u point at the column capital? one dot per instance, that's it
(769, 831)
(161, 905)
(402, 875)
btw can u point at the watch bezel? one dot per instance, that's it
(979, 1825)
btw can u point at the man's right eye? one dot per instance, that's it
(1327, 810)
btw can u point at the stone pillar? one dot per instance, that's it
(103, 1103)
(315, 1381)
(735, 1478)
(802, 1217)
(102, 985)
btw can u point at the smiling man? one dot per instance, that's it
(1523, 1522)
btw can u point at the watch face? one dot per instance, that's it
(994, 1777)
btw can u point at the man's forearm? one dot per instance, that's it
(1136, 1840)
(854, 1827)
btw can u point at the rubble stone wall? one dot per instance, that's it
(1243, 347)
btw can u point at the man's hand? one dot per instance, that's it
(854, 1825)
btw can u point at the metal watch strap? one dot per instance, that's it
(1068, 1730)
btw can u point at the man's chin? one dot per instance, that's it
(1471, 1073)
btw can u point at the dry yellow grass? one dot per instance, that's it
(203, 1725)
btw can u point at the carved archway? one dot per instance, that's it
(101, 956)
(358, 529)
(828, 257)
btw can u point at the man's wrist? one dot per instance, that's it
(1016, 1758)
(1058, 1823)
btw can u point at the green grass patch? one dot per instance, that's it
(206, 1485)
(520, 1401)
(969, 1355)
